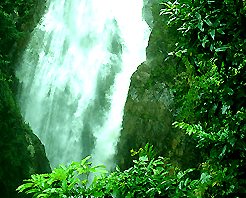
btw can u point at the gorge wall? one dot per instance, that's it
(149, 110)
(22, 153)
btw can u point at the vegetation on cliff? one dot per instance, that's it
(22, 153)
(18, 18)
(209, 86)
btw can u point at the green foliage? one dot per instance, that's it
(63, 181)
(17, 19)
(147, 151)
(210, 50)
(209, 85)
(148, 177)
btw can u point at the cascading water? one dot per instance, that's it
(75, 76)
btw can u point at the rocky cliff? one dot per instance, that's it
(22, 153)
(149, 110)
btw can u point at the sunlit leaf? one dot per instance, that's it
(24, 187)
(223, 152)
(212, 33)
(143, 158)
(221, 49)
(208, 22)
(200, 25)
(198, 16)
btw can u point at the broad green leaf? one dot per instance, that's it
(24, 186)
(212, 33)
(98, 170)
(232, 141)
(208, 22)
(99, 166)
(189, 170)
(144, 158)
(50, 181)
(205, 178)
(204, 41)
(229, 91)
(32, 191)
(180, 175)
(117, 168)
(223, 152)
(200, 26)
(63, 167)
(42, 195)
(186, 181)
(221, 49)
(158, 162)
(72, 164)
(82, 170)
(198, 16)
(64, 185)
(211, 47)
(85, 159)
(35, 177)
(220, 31)
(52, 190)
(70, 186)
(180, 184)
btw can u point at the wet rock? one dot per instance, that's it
(22, 153)
(149, 110)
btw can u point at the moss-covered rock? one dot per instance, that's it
(22, 153)
(149, 110)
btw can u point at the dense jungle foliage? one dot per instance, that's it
(209, 85)
(150, 176)
(17, 19)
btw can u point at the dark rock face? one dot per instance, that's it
(40, 163)
(149, 110)
(146, 115)
(22, 153)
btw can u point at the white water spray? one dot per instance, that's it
(75, 76)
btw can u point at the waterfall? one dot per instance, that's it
(75, 75)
